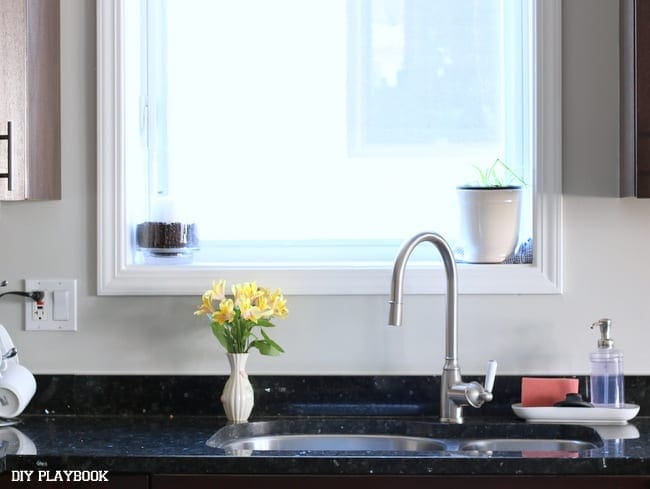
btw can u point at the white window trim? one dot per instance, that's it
(544, 276)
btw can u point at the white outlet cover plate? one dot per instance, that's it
(47, 323)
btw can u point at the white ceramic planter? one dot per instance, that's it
(237, 396)
(489, 222)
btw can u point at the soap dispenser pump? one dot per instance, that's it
(606, 379)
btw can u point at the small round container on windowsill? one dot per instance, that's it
(166, 243)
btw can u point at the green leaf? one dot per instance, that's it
(509, 170)
(492, 179)
(264, 348)
(481, 175)
(219, 331)
(491, 176)
(265, 322)
(271, 342)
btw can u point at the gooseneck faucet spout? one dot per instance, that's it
(395, 319)
(454, 393)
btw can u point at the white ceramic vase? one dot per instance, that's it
(237, 396)
(489, 222)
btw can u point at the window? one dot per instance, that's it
(367, 118)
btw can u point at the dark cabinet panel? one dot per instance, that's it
(392, 482)
(117, 481)
(635, 98)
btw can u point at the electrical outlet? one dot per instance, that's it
(38, 311)
(58, 309)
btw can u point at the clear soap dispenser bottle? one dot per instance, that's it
(606, 379)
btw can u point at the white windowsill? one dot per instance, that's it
(472, 279)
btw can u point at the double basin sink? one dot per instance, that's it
(394, 437)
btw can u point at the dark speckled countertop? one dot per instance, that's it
(68, 427)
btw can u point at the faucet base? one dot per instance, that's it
(451, 401)
(452, 420)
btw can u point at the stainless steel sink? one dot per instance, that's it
(367, 435)
(334, 443)
(526, 445)
(377, 437)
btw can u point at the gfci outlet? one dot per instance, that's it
(58, 309)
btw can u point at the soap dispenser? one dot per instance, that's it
(606, 379)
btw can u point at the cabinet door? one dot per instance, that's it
(635, 98)
(13, 101)
(30, 157)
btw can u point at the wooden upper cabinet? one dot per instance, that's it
(30, 100)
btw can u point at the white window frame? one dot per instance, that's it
(115, 276)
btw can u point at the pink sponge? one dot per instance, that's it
(536, 392)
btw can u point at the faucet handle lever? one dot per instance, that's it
(490, 375)
(473, 393)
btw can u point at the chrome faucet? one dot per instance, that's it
(454, 393)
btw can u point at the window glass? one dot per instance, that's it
(321, 131)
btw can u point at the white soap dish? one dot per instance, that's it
(577, 415)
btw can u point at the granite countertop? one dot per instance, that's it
(160, 425)
(153, 444)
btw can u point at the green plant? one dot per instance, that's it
(498, 174)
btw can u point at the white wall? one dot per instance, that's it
(607, 258)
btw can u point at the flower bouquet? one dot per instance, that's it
(239, 324)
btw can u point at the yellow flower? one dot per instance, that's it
(279, 304)
(226, 312)
(237, 291)
(206, 306)
(266, 310)
(249, 311)
(246, 291)
(218, 290)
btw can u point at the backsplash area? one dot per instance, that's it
(276, 395)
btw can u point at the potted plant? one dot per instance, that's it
(490, 209)
(238, 323)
